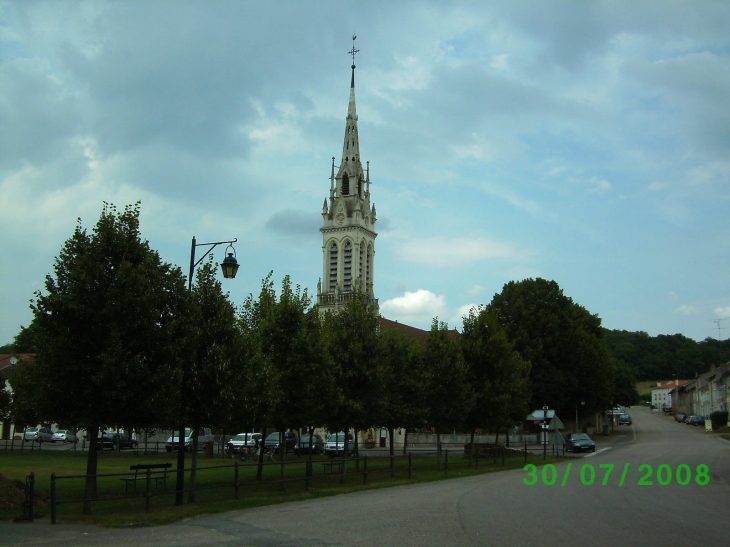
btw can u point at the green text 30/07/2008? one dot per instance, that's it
(664, 474)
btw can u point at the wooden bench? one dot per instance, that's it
(335, 466)
(143, 471)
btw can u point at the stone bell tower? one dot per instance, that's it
(348, 230)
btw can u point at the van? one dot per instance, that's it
(205, 437)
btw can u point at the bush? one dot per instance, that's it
(719, 419)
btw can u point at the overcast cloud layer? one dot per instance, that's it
(585, 142)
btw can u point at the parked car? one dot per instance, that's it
(242, 441)
(112, 441)
(205, 437)
(40, 434)
(624, 419)
(695, 420)
(317, 444)
(335, 445)
(579, 442)
(65, 436)
(272, 441)
(680, 417)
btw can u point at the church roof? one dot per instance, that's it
(414, 332)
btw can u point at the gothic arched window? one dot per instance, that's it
(345, 184)
(359, 186)
(361, 262)
(369, 268)
(333, 267)
(347, 277)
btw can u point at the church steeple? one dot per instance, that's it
(349, 221)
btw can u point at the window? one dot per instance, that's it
(345, 184)
(333, 267)
(368, 267)
(347, 278)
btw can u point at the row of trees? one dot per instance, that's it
(115, 327)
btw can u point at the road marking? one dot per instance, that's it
(597, 452)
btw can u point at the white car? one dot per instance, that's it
(335, 445)
(65, 436)
(205, 437)
(242, 441)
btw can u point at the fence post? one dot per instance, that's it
(307, 474)
(476, 459)
(501, 448)
(446, 461)
(525, 450)
(365, 470)
(147, 493)
(409, 465)
(31, 488)
(235, 481)
(53, 498)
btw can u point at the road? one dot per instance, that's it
(495, 509)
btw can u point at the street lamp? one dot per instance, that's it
(229, 267)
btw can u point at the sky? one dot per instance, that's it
(583, 142)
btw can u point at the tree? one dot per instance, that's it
(570, 361)
(449, 394)
(110, 328)
(400, 383)
(496, 373)
(352, 343)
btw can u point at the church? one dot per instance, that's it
(348, 229)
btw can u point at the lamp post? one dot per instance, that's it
(229, 266)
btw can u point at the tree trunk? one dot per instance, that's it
(344, 461)
(262, 451)
(471, 446)
(507, 436)
(90, 491)
(282, 456)
(405, 440)
(356, 451)
(438, 449)
(391, 432)
(193, 464)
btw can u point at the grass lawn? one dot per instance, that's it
(215, 492)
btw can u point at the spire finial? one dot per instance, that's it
(353, 52)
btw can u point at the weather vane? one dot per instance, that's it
(353, 51)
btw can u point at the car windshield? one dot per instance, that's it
(32, 429)
(580, 437)
(273, 436)
(338, 437)
(240, 437)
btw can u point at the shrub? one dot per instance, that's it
(719, 419)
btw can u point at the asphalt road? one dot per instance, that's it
(495, 509)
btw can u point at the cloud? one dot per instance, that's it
(440, 251)
(418, 307)
(723, 312)
(294, 223)
(478, 290)
(458, 319)
(687, 309)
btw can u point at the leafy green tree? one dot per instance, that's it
(109, 332)
(352, 343)
(563, 342)
(450, 395)
(213, 340)
(498, 376)
(400, 383)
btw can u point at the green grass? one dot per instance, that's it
(215, 477)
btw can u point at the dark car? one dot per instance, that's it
(579, 442)
(624, 419)
(695, 420)
(680, 417)
(317, 444)
(112, 441)
(272, 441)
